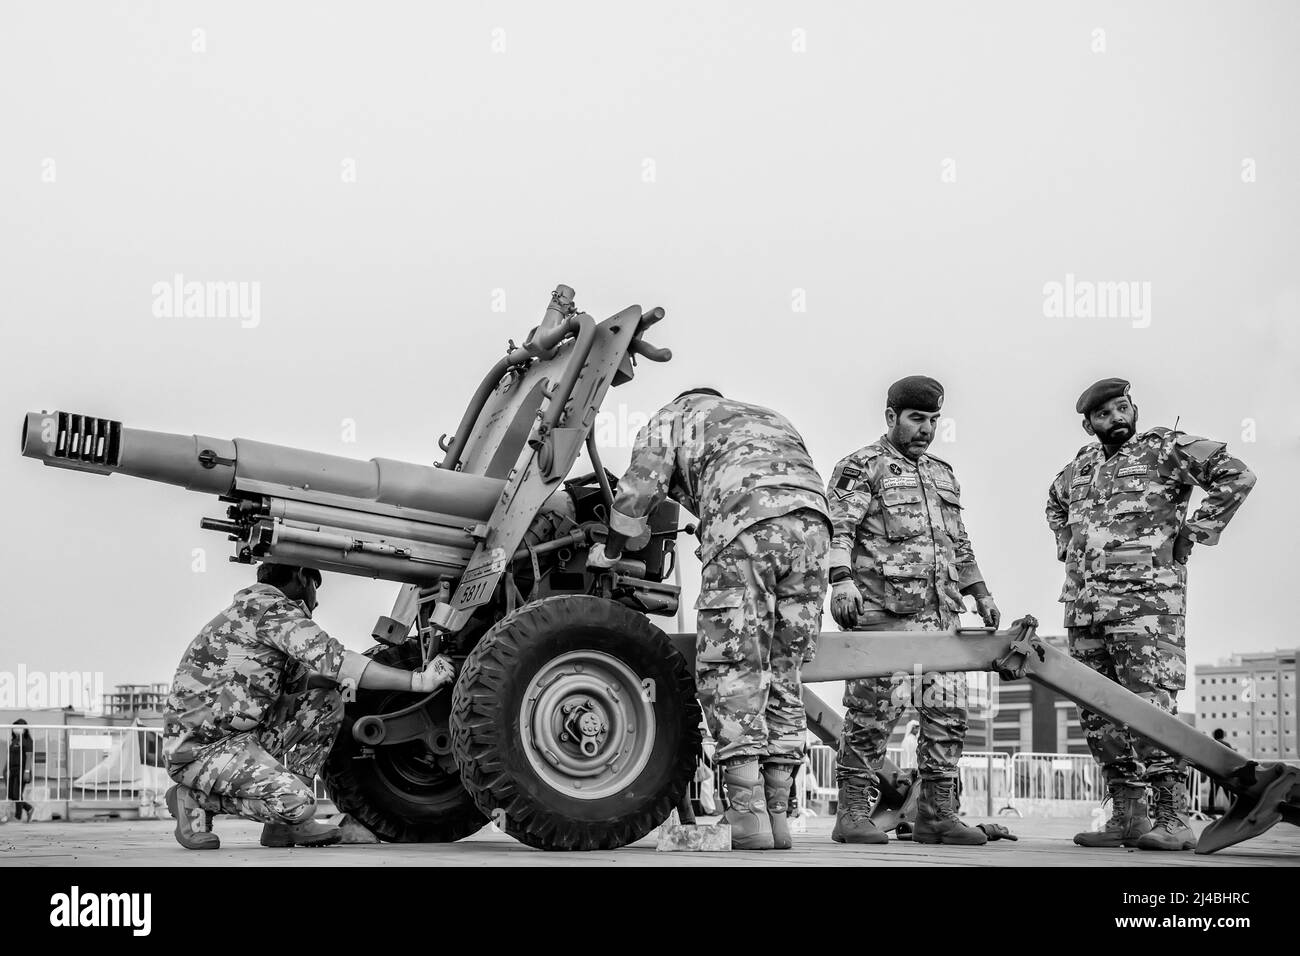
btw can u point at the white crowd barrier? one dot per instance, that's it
(81, 767)
(85, 771)
(92, 770)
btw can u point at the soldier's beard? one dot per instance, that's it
(913, 447)
(1118, 433)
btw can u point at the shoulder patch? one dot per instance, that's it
(845, 479)
(1197, 448)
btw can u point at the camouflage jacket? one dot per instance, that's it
(898, 528)
(728, 463)
(240, 664)
(1115, 521)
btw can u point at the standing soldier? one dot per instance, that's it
(744, 472)
(901, 561)
(1118, 514)
(254, 709)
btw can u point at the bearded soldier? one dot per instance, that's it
(1118, 511)
(901, 561)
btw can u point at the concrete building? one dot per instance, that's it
(1025, 716)
(137, 700)
(1021, 716)
(1252, 697)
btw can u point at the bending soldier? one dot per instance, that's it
(745, 473)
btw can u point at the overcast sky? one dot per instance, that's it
(824, 198)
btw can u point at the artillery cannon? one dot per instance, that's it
(573, 722)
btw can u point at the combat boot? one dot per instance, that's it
(307, 833)
(937, 820)
(1128, 818)
(777, 778)
(751, 826)
(853, 822)
(193, 823)
(1172, 830)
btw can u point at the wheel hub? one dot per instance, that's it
(588, 727)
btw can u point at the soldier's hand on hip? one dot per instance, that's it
(1183, 546)
(437, 673)
(989, 612)
(846, 603)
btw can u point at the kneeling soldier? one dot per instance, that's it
(254, 709)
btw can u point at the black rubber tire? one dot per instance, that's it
(486, 734)
(397, 806)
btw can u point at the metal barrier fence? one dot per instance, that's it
(56, 769)
(67, 771)
(89, 770)
(1054, 776)
(994, 783)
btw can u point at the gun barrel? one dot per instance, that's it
(102, 446)
(223, 466)
(378, 518)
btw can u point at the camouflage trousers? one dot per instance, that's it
(757, 622)
(873, 706)
(266, 773)
(1144, 654)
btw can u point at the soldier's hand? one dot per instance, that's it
(597, 559)
(437, 673)
(846, 603)
(989, 612)
(1183, 546)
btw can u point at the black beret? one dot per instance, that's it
(1099, 393)
(916, 391)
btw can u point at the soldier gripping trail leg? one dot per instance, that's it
(254, 709)
(901, 561)
(764, 533)
(1118, 511)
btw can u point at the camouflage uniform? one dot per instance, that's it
(1115, 522)
(898, 528)
(242, 729)
(744, 472)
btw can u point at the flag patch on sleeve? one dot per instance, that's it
(847, 481)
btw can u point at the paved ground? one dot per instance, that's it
(1043, 842)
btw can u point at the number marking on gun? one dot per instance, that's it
(479, 580)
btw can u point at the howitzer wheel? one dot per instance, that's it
(407, 792)
(575, 724)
